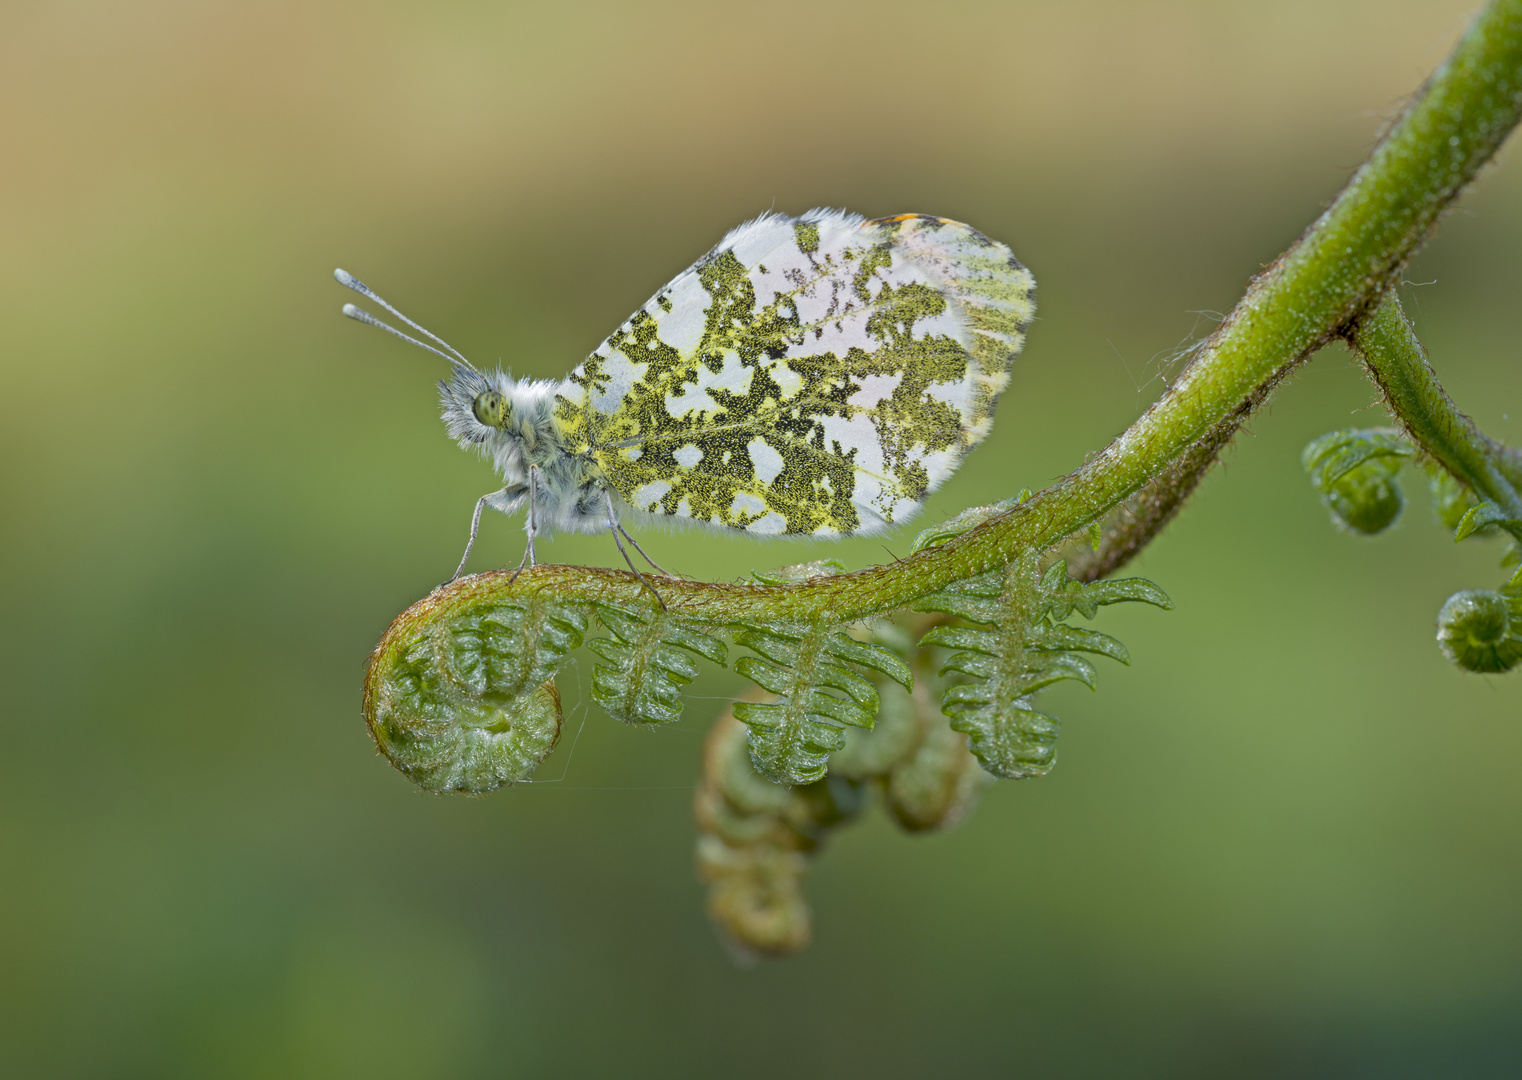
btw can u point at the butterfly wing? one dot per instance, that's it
(815, 375)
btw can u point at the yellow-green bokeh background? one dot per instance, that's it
(1284, 842)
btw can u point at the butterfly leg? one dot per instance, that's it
(475, 527)
(521, 567)
(615, 529)
(532, 526)
(533, 513)
(641, 550)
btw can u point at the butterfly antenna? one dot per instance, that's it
(359, 314)
(343, 277)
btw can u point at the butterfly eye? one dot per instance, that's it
(490, 408)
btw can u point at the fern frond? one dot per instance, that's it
(784, 575)
(965, 521)
(937, 784)
(792, 737)
(651, 656)
(1021, 647)
(1451, 500)
(1486, 516)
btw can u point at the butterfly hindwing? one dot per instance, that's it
(818, 375)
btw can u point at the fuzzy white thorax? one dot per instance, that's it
(569, 494)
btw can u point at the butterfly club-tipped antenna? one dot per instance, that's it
(359, 314)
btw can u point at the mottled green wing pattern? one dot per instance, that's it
(818, 375)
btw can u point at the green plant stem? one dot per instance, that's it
(1387, 344)
(1339, 269)
(1143, 514)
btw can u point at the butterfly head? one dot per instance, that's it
(477, 409)
(509, 420)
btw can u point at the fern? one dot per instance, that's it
(927, 777)
(792, 736)
(754, 839)
(1477, 629)
(652, 656)
(1355, 472)
(1481, 629)
(1022, 646)
(868, 754)
(1451, 500)
(1486, 517)
(468, 704)
(756, 836)
(937, 784)
(965, 521)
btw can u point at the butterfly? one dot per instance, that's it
(809, 376)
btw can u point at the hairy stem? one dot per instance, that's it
(1387, 344)
(1143, 515)
(1338, 270)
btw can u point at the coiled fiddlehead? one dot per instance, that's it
(1477, 629)
(1022, 646)
(1481, 629)
(927, 777)
(1355, 472)
(756, 837)
(468, 703)
(1451, 500)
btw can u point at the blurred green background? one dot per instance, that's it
(1284, 842)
